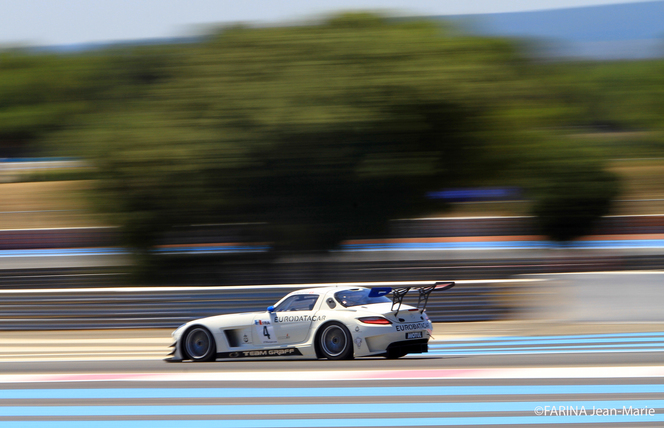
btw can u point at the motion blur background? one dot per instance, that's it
(317, 145)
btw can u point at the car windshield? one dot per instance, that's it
(360, 297)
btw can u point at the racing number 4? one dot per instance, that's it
(265, 332)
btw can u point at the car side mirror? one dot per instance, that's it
(270, 308)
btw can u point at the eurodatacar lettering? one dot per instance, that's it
(416, 326)
(300, 318)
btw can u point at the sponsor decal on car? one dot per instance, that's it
(283, 352)
(261, 322)
(358, 342)
(413, 326)
(299, 318)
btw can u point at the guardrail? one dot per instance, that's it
(250, 232)
(153, 307)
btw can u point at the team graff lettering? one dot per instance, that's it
(416, 326)
(261, 353)
(299, 318)
(269, 353)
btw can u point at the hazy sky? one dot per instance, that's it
(55, 22)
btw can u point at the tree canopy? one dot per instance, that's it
(321, 132)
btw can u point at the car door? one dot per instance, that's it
(288, 323)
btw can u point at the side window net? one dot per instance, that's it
(303, 302)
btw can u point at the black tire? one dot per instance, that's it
(198, 344)
(334, 342)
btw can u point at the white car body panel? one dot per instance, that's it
(293, 333)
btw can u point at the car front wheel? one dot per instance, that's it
(334, 342)
(199, 344)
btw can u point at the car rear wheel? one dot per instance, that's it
(334, 342)
(199, 344)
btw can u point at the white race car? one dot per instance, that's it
(329, 322)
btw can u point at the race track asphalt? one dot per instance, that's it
(502, 374)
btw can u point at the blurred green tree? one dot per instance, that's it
(571, 197)
(321, 132)
(44, 93)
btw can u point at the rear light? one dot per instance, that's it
(375, 320)
(413, 310)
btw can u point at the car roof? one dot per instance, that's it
(325, 290)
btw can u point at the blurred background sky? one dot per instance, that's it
(70, 22)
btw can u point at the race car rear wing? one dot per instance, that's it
(399, 293)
